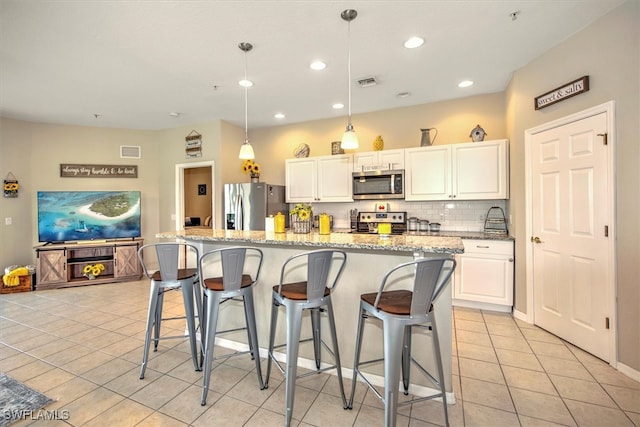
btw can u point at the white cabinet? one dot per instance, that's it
(385, 159)
(469, 171)
(319, 179)
(484, 275)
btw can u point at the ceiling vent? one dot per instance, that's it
(367, 81)
(130, 152)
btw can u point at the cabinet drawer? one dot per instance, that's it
(488, 247)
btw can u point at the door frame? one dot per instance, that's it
(179, 190)
(609, 109)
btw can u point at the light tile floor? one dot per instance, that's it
(82, 347)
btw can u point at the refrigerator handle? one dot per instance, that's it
(239, 214)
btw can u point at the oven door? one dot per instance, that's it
(378, 185)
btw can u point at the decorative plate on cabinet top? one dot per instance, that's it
(302, 150)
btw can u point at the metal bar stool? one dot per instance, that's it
(170, 277)
(400, 311)
(231, 273)
(312, 292)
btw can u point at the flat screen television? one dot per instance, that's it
(65, 216)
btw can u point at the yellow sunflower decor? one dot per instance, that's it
(252, 168)
(301, 215)
(92, 271)
(11, 186)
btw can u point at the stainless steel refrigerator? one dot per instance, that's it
(247, 205)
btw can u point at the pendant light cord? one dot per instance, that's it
(246, 102)
(349, 66)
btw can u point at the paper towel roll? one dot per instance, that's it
(269, 224)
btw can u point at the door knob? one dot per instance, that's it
(536, 239)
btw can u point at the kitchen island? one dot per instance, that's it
(369, 257)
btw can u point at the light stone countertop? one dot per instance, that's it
(404, 243)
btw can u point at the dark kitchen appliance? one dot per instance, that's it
(246, 205)
(378, 185)
(368, 221)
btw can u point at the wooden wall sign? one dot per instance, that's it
(193, 144)
(98, 171)
(563, 92)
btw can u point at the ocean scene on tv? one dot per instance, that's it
(88, 215)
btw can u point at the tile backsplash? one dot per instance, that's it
(468, 215)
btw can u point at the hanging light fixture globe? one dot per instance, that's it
(246, 150)
(349, 138)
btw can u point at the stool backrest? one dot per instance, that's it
(319, 265)
(232, 265)
(430, 276)
(167, 256)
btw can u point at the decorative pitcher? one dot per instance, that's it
(425, 140)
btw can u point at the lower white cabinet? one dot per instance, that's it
(484, 275)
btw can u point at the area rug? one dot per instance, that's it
(18, 401)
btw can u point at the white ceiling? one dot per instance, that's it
(134, 62)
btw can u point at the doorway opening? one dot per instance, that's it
(195, 195)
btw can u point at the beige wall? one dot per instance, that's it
(607, 51)
(400, 128)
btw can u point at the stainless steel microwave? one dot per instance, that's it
(378, 185)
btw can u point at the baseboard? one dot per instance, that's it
(376, 380)
(520, 316)
(481, 305)
(630, 372)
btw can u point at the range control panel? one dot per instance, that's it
(390, 217)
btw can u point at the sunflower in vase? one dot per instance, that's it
(91, 271)
(302, 210)
(252, 168)
(301, 218)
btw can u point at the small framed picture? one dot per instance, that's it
(202, 189)
(335, 148)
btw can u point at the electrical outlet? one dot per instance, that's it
(8, 221)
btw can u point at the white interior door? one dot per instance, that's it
(570, 214)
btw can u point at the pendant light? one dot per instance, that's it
(246, 150)
(349, 138)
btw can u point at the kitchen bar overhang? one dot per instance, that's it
(369, 257)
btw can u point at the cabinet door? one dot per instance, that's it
(52, 267)
(334, 178)
(484, 275)
(300, 179)
(125, 261)
(428, 173)
(480, 170)
(360, 160)
(385, 159)
(391, 158)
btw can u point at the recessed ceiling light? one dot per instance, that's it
(414, 42)
(337, 106)
(465, 83)
(245, 83)
(403, 94)
(318, 65)
(173, 114)
(278, 116)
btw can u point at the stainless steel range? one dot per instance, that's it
(368, 221)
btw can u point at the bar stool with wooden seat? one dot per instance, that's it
(400, 311)
(229, 274)
(307, 281)
(170, 277)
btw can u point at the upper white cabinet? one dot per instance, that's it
(319, 179)
(469, 171)
(386, 159)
